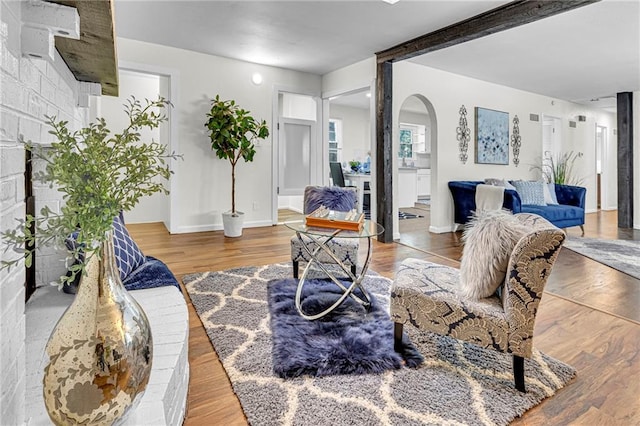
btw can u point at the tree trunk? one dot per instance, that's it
(233, 188)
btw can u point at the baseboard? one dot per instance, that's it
(218, 227)
(258, 223)
(444, 229)
(197, 228)
(591, 211)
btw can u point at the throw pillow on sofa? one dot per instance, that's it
(128, 255)
(489, 239)
(499, 182)
(550, 194)
(531, 192)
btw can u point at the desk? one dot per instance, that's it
(358, 180)
(320, 237)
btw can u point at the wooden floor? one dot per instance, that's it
(589, 316)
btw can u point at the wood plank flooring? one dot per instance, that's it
(588, 316)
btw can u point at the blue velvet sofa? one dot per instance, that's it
(568, 212)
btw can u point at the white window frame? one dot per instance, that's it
(338, 139)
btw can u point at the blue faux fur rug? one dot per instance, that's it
(349, 340)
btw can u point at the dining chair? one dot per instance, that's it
(336, 174)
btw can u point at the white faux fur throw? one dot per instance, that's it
(489, 239)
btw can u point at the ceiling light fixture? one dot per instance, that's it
(391, 1)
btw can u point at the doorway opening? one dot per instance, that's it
(416, 147)
(143, 84)
(551, 137)
(601, 161)
(349, 142)
(296, 152)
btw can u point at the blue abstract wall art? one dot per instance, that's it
(492, 136)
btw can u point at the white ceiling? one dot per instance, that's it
(591, 52)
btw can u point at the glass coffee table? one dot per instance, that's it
(320, 237)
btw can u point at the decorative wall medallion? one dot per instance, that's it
(463, 135)
(516, 140)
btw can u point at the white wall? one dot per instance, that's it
(202, 181)
(356, 131)
(351, 77)
(29, 90)
(154, 208)
(447, 92)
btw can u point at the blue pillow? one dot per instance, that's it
(128, 255)
(332, 197)
(531, 192)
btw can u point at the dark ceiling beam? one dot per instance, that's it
(502, 18)
(93, 58)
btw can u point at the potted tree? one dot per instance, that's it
(104, 335)
(233, 131)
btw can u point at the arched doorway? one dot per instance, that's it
(416, 145)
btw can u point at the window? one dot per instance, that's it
(406, 142)
(335, 140)
(412, 139)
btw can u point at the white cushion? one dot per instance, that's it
(550, 193)
(489, 239)
(499, 182)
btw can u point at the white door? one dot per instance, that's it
(296, 141)
(551, 137)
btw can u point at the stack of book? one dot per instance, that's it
(326, 218)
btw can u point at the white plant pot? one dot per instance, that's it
(232, 223)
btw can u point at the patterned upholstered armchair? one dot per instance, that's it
(427, 296)
(335, 198)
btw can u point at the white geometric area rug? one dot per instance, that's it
(458, 383)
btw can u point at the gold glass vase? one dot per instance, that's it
(100, 351)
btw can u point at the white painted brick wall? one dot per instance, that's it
(29, 90)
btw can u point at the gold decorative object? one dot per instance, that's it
(100, 351)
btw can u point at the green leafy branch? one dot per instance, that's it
(99, 175)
